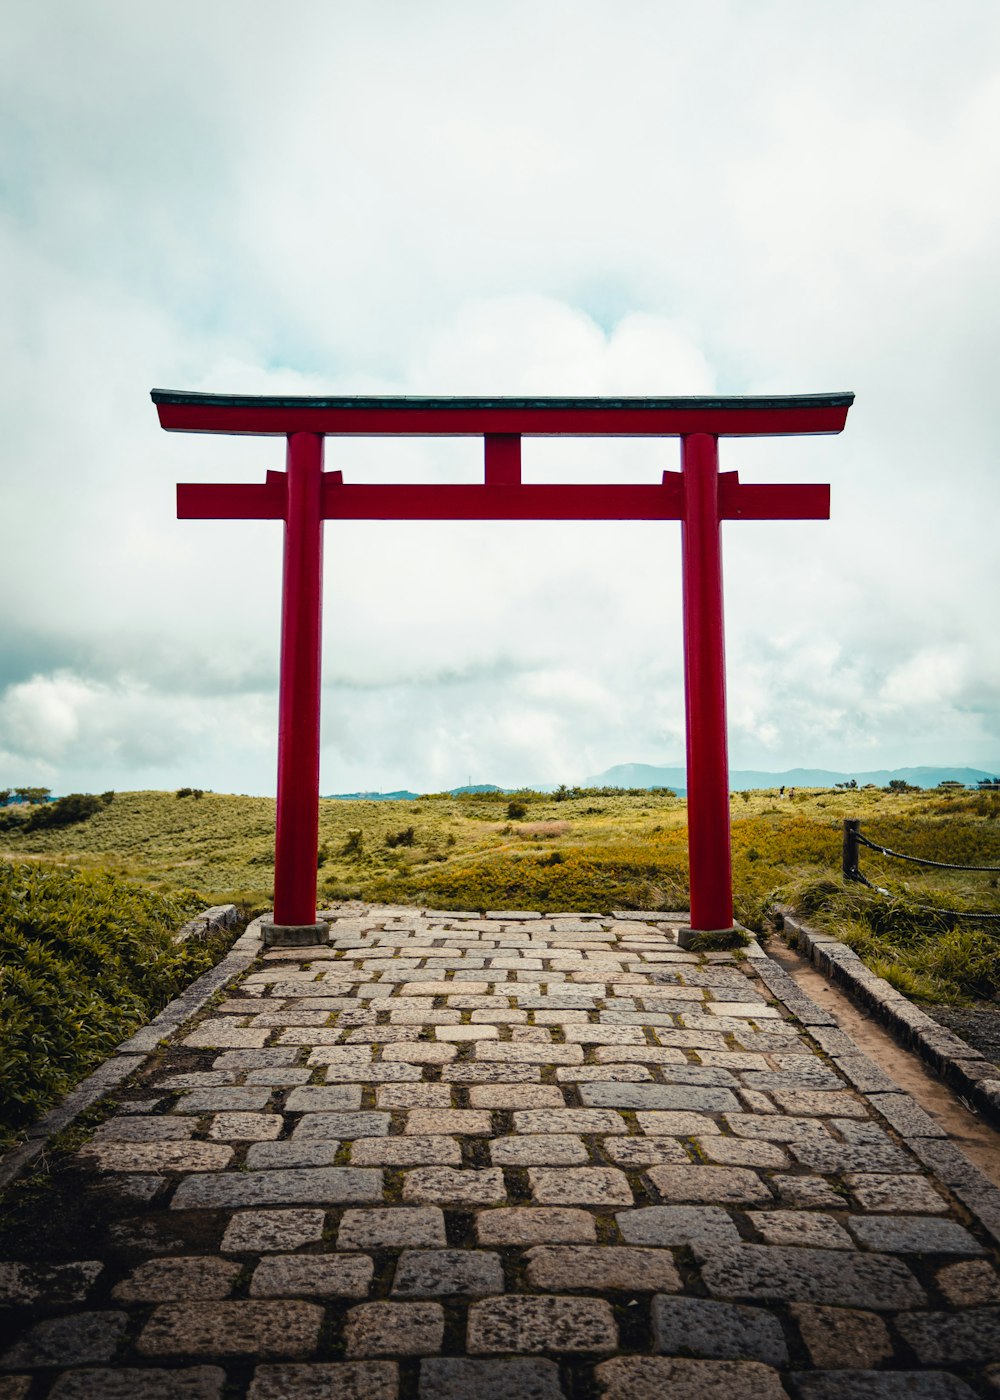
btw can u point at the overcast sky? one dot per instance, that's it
(544, 197)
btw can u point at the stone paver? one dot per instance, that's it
(459, 1378)
(164, 1280)
(516, 1096)
(318, 1152)
(406, 1152)
(968, 1283)
(842, 1337)
(536, 1225)
(166, 1156)
(878, 1385)
(602, 1267)
(539, 1150)
(127, 1128)
(394, 1329)
(474, 1122)
(341, 1125)
(476, 1186)
(55, 1283)
(72, 1340)
(731, 1185)
(875, 1191)
(702, 1099)
(912, 1234)
(569, 1120)
(254, 1231)
(542, 1324)
(811, 1275)
(653, 1378)
(527, 1157)
(430, 1273)
(324, 1098)
(132, 1383)
(801, 1228)
(291, 1186)
(226, 1100)
(592, 1186)
(395, 1227)
(325, 1275)
(644, 1151)
(678, 1225)
(345, 1380)
(245, 1127)
(245, 1328)
(720, 1331)
(940, 1338)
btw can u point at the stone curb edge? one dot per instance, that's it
(129, 1056)
(958, 1064)
(921, 1134)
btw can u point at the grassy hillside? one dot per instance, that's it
(590, 851)
(87, 909)
(85, 959)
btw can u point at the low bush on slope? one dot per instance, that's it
(85, 959)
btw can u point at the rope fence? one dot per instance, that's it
(853, 841)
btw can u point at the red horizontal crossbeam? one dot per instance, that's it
(237, 502)
(754, 502)
(546, 502)
(473, 502)
(467, 417)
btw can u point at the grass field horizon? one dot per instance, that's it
(578, 849)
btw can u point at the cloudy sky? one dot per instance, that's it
(543, 197)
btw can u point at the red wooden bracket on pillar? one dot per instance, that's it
(503, 459)
(699, 496)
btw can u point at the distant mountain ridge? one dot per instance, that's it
(645, 775)
(404, 795)
(401, 795)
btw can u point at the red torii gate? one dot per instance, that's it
(305, 495)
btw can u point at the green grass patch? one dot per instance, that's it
(85, 959)
(927, 955)
(571, 850)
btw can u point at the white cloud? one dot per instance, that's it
(673, 199)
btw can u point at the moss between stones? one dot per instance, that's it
(718, 941)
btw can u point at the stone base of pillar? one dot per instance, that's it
(294, 935)
(716, 940)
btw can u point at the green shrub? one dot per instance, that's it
(925, 952)
(85, 959)
(75, 807)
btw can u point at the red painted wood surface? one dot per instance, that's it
(411, 417)
(705, 689)
(699, 496)
(502, 454)
(447, 502)
(297, 833)
(502, 500)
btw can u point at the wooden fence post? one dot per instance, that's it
(851, 848)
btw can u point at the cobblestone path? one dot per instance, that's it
(513, 1157)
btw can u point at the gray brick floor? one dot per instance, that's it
(520, 1156)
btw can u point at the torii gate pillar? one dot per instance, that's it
(297, 817)
(698, 496)
(705, 690)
